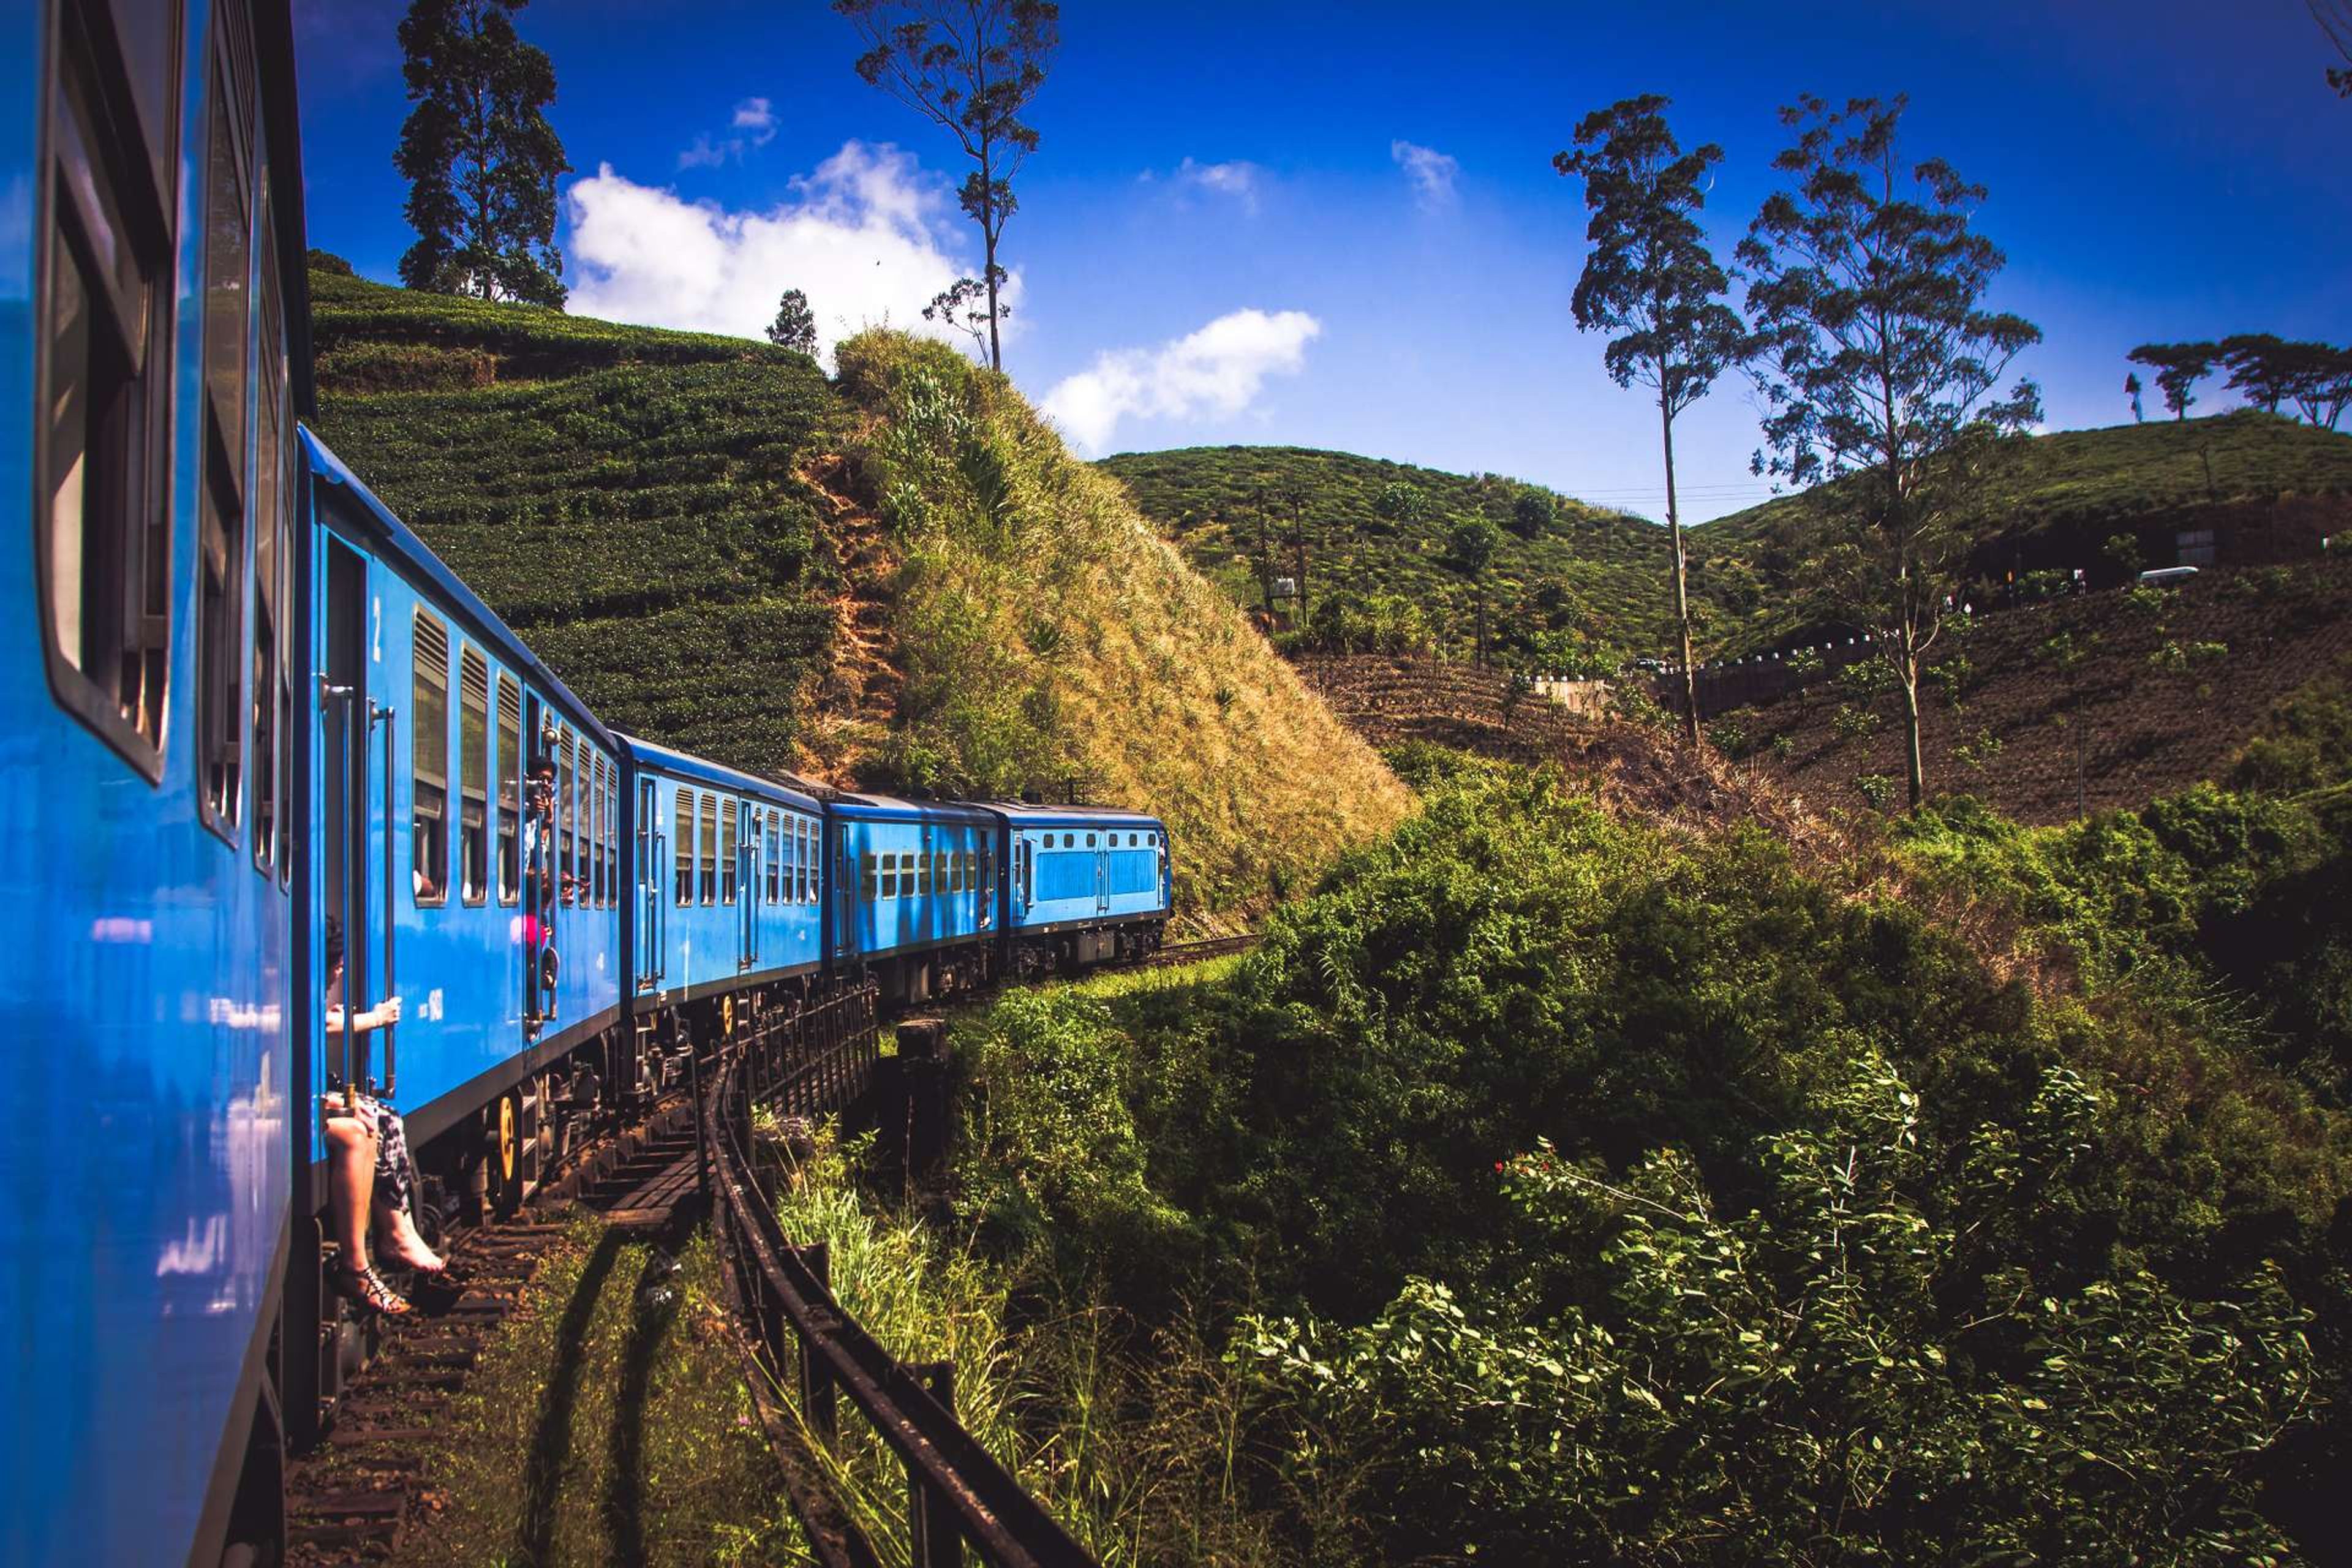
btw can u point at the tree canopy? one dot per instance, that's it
(1880, 364)
(970, 67)
(2178, 367)
(795, 324)
(479, 156)
(1651, 278)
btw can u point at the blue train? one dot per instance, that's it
(250, 708)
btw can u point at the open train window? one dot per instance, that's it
(682, 822)
(770, 841)
(429, 758)
(807, 869)
(103, 535)
(727, 850)
(867, 885)
(603, 832)
(473, 776)
(709, 849)
(510, 768)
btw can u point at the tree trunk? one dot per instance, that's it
(1911, 727)
(988, 226)
(1682, 588)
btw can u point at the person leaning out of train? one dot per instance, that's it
(369, 1170)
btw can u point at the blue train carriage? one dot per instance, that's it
(725, 873)
(1084, 884)
(153, 364)
(464, 814)
(913, 893)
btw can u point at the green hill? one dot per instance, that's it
(2065, 495)
(1589, 586)
(627, 499)
(905, 582)
(1582, 585)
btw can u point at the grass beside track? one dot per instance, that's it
(609, 1424)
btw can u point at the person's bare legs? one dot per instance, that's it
(398, 1238)
(350, 1186)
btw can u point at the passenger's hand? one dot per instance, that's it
(388, 1011)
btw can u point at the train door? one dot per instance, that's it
(747, 883)
(1102, 878)
(538, 872)
(351, 825)
(653, 865)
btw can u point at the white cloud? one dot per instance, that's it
(1216, 371)
(858, 236)
(1431, 172)
(1238, 179)
(755, 116)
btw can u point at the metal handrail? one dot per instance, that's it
(957, 1490)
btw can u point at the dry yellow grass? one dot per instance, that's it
(1046, 630)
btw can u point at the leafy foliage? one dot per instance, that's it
(794, 327)
(1585, 1194)
(479, 156)
(2178, 367)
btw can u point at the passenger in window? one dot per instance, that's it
(369, 1170)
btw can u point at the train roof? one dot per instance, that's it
(482, 621)
(685, 764)
(890, 809)
(1021, 814)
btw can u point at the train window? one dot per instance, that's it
(428, 760)
(709, 849)
(868, 884)
(806, 874)
(955, 873)
(509, 770)
(773, 844)
(727, 810)
(273, 700)
(104, 543)
(608, 839)
(473, 776)
(682, 823)
(592, 828)
(1090, 840)
(922, 887)
(567, 767)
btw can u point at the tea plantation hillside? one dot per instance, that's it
(1571, 585)
(1578, 587)
(2265, 485)
(904, 583)
(627, 499)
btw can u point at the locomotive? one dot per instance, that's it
(248, 705)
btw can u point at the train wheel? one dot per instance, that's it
(506, 1154)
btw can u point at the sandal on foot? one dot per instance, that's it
(367, 1289)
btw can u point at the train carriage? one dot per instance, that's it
(1083, 885)
(153, 357)
(725, 873)
(913, 893)
(464, 811)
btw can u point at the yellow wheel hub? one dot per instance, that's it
(506, 1136)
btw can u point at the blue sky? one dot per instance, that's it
(1339, 227)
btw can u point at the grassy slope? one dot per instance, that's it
(1744, 565)
(664, 516)
(627, 497)
(1201, 497)
(1046, 630)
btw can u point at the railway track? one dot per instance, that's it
(1194, 952)
(358, 1496)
